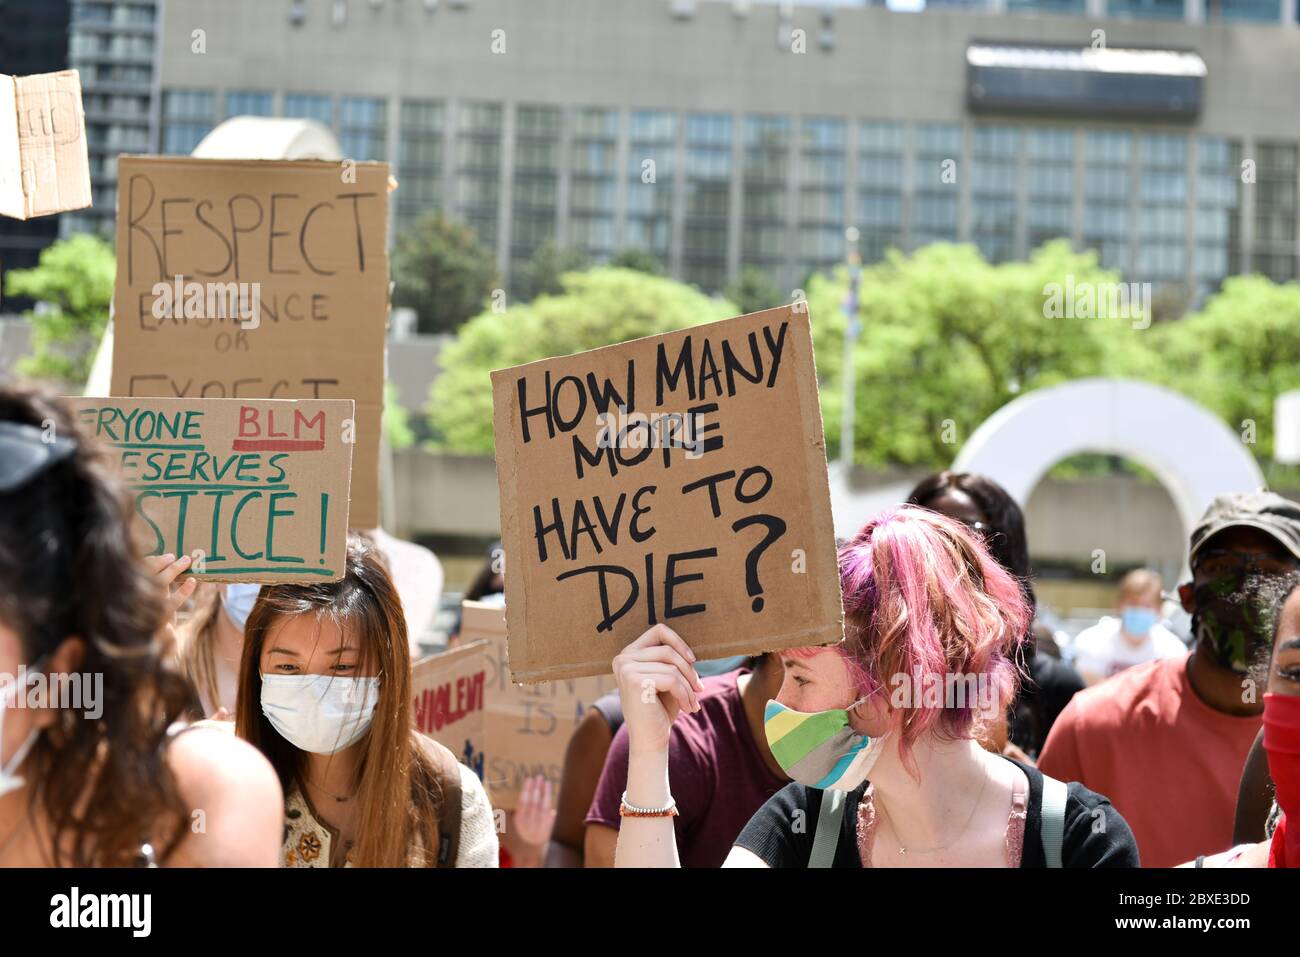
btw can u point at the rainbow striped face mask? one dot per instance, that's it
(820, 749)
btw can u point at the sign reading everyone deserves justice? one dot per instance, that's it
(252, 489)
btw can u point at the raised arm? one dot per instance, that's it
(656, 680)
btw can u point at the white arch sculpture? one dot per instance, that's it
(1193, 453)
(275, 138)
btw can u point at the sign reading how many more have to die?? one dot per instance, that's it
(251, 489)
(676, 479)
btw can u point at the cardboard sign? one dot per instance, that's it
(448, 695)
(678, 478)
(254, 490)
(44, 165)
(256, 279)
(527, 727)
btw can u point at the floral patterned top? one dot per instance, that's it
(308, 840)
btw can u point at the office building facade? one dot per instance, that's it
(113, 44)
(33, 39)
(718, 134)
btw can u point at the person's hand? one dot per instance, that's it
(656, 680)
(168, 568)
(534, 815)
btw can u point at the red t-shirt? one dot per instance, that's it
(1169, 763)
(715, 772)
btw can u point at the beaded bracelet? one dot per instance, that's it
(631, 810)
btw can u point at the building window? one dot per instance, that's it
(652, 140)
(708, 199)
(1075, 7)
(1150, 9)
(993, 187)
(536, 181)
(362, 127)
(1275, 211)
(936, 199)
(1049, 213)
(764, 235)
(593, 165)
(823, 161)
(1106, 196)
(249, 103)
(1218, 213)
(1162, 230)
(309, 106)
(419, 165)
(1265, 11)
(880, 189)
(187, 117)
(478, 167)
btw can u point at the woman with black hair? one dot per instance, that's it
(986, 507)
(96, 767)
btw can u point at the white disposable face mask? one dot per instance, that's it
(10, 780)
(238, 601)
(319, 713)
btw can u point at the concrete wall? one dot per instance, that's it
(1131, 520)
(453, 495)
(412, 367)
(15, 344)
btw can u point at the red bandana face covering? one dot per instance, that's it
(1282, 744)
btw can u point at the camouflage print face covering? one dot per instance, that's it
(1231, 617)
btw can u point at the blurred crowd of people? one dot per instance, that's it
(946, 730)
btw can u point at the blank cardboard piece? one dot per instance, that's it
(447, 697)
(254, 490)
(418, 576)
(44, 160)
(609, 529)
(527, 727)
(310, 236)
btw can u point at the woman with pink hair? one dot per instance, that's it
(932, 625)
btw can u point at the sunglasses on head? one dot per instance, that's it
(985, 531)
(1229, 561)
(27, 452)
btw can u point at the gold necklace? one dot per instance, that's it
(943, 847)
(346, 797)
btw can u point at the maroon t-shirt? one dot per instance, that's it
(715, 771)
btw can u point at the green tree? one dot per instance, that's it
(1234, 356)
(947, 339)
(72, 285)
(396, 420)
(753, 290)
(640, 260)
(443, 272)
(541, 275)
(597, 308)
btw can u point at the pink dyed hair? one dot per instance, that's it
(922, 596)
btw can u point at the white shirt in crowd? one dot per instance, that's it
(1103, 651)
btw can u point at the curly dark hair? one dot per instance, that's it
(70, 567)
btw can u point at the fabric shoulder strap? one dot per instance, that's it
(826, 836)
(447, 769)
(1051, 821)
